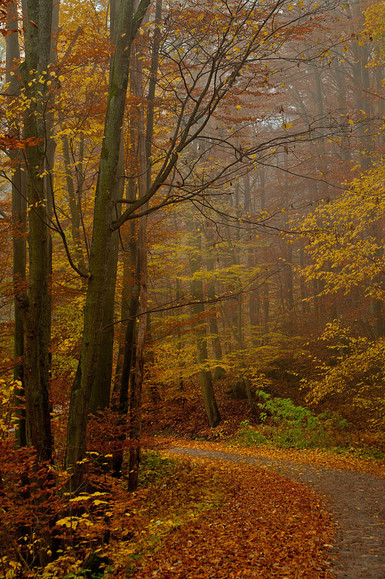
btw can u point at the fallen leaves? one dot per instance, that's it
(314, 457)
(236, 521)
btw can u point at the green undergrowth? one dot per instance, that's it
(287, 425)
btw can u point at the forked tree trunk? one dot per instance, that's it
(102, 237)
(74, 207)
(130, 397)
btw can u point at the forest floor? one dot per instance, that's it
(272, 519)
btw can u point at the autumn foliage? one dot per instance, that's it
(191, 243)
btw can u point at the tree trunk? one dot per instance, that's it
(137, 352)
(219, 371)
(137, 379)
(74, 206)
(36, 303)
(198, 310)
(101, 389)
(102, 237)
(137, 262)
(19, 215)
(254, 299)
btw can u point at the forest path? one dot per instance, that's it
(356, 500)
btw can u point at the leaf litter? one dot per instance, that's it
(213, 519)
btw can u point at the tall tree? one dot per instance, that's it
(129, 22)
(35, 303)
(19, 213)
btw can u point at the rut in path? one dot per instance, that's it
(357, 501)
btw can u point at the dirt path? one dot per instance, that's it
(356, 500)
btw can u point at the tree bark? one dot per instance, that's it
(74, 206)
(219, 371)
(19, 214)
(36, 304)
(101, 389)
(101, 246)
(198, 310)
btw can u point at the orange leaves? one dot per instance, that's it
(8, 141)
(259, 524)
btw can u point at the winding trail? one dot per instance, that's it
(356, 500)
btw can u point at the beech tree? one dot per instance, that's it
(129, 20)
(35, 303)
(19, 210)
(209, 68)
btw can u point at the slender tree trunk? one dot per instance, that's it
(135, 408)
(219, 371)
(179, 344)
(74, 206)
(135, 336)
(198, 311)
(254, 298)
(138, 377)
(19, 214)
(288, 270)
(265, 287)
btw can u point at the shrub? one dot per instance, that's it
(248, 436)
(289, 426)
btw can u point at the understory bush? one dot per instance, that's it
(287, 425)
(352, 379)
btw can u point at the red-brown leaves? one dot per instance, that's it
(251, 523)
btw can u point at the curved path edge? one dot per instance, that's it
(356, 500)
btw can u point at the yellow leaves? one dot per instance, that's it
(238, 107)
(345, 253)
(10, 568)
(74, 522)
(66, 522)
(86, 496)
(286, 126)
(375, 30)
(79, 499)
